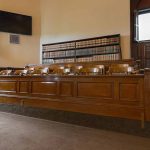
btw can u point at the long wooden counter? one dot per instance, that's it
(118, 96)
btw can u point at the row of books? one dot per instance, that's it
(107, 49)
(70, 60)
(97, 42)
(54, 54)
(83, 52)
(106, 57)
(99, 58)
(47, 61)
(83, 43)
(62, 46)
(98, 50)
(58, 54)
(84, 59)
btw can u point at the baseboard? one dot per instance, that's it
(94, 121)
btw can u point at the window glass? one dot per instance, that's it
(143, 27)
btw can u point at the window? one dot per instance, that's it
(143, 25)
(140, 31)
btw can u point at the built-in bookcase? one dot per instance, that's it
(84, 50)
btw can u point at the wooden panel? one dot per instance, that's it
(10, 100)
(129, 91)
(44, 88)
(103, 109)
(23, 87)
(66, 88)
(97, 89)
(100, 95)
(8, 86)
(147, 95)
(143, 4)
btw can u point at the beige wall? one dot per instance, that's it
(29, 49)
(74, 19)
(63, 20)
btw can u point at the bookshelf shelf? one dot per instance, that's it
(84, 50)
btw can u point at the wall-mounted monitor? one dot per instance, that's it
(15, 23)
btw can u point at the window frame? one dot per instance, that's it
(136, 24)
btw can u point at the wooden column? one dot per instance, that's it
(147, 94)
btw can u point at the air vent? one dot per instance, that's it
(14, 39)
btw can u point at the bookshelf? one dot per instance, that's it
(84, 50)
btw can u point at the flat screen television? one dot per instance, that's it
(15, 23)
